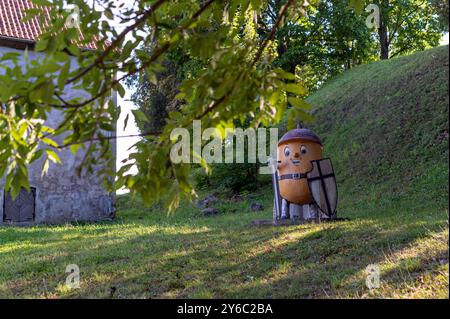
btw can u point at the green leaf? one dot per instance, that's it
(45, 167)
(9, 56)
(25, 54)
(299, 103)
(53, 156)
(109, 14)
(15, 187)
(284, 74)
(63, 75)
(74, 148)
(36, 156)
(42, 91)
(139, 116)
(120, 89)
(41, 45)
(49, 142)
(296, 88)
(358, 5)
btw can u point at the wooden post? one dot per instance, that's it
(275, 210)
(276, 189)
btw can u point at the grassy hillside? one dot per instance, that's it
(385, 125)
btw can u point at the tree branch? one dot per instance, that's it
(93, 139)
(147, 63)
(256, 58)
(117, 41)
(271, 36)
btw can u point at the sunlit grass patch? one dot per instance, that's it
(147, 256)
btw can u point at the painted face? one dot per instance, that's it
(296, 156)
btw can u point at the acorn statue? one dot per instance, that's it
(304, 182)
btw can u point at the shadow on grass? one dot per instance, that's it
(292, 262)
(191, 256)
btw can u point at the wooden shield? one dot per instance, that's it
(322, 185)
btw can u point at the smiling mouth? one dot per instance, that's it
(296, 162)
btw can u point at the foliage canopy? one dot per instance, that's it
(237, 80)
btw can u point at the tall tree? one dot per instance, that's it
(407, 26)
(155, 98)
(324, 42)
(442, 9)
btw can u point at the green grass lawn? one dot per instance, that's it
(385, 125)
(146, 254)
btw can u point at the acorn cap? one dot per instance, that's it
(300, 134)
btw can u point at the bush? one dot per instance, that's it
(226, 178)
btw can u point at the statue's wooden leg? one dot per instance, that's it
(284, 209)
(306, 214)
(295, 211)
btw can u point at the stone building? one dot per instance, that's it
(60, 196)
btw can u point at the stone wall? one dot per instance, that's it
(61, 196)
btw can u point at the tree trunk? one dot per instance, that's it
(348, 65)
(383, 31)
(384, 42)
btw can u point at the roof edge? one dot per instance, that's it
(16, 43)
(22, 44)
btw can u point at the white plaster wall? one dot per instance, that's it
(61, 196)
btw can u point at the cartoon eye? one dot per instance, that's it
(303, 150)
(287, 151)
